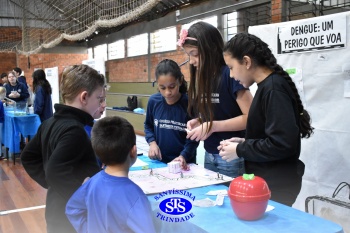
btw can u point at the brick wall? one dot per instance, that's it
(135, 69)
(7, 62)
(46, 60)
(276, 11)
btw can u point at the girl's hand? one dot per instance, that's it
(14, 94)
(193, 123)
(154, 151)
(235, 139)
(199, 133)
(182, 161)
(227, 150)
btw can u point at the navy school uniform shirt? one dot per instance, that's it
(166, 125)
(20, 88)
(225, 107)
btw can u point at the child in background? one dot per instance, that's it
(276, 122)
(4, 79)
(43, 91)
(2, 116)
(110, 201)
(67, 158)
(219, 103)
(166, 118)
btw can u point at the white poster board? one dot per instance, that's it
(324, 81)
(52, 77)
(97, 64)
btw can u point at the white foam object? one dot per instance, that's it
(174, 167)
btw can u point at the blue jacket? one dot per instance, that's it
(42, 104)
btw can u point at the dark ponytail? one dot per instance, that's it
(168, 66)
(245, 44)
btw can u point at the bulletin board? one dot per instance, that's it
(316, 53)
(52, 77)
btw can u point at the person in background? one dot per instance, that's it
(219, 104)
(15, 90)
(110, 200)
(166, 117)
(4, 80)
(277, 119)
(20, 78)
(43, 91)
(67, 158)
(2, 117)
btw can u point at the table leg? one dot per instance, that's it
(6, 152)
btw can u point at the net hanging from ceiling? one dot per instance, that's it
(42, 24)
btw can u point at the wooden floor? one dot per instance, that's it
(18, 191)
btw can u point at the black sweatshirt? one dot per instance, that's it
(272, 146)
(59, 158)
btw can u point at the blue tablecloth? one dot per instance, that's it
(14, 126)
(222, 218)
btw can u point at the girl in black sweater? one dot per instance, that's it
(276, 121)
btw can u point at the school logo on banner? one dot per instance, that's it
(175, 205)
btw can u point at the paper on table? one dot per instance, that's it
(140, 163)
(269, 207)
(217, 192)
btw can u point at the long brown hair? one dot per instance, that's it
(205, 78)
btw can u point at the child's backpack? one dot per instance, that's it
(132, 102)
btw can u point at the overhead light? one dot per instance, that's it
(96, 32)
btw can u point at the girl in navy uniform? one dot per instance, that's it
(220, 104)
(166, 118)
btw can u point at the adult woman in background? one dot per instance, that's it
(15, 90)
(42, 99)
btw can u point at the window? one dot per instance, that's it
(163, 40)
(230, 25)
(100, 51)
(138, 45)
(116, 50)
(90, 54)
(213, 20)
